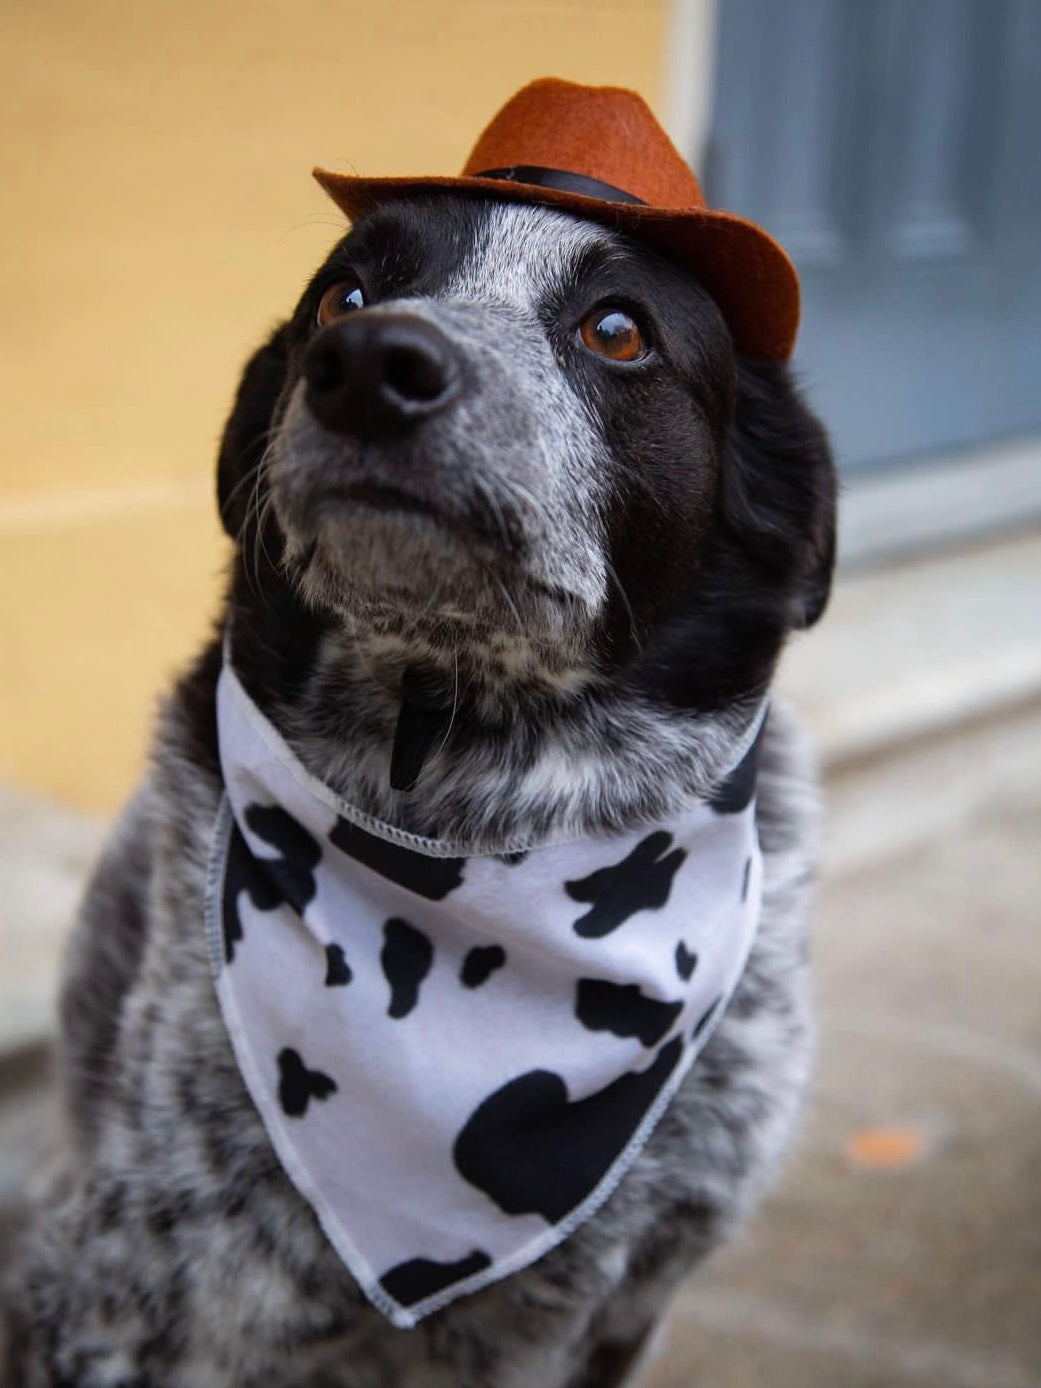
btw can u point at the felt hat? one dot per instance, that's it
(599, 152)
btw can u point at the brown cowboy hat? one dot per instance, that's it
(600, 153)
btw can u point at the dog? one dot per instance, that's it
(518, 538)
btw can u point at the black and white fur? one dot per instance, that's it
(594, 566)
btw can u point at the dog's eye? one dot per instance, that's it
(343, 297)
(612, 333)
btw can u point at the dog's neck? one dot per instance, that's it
(495, 739)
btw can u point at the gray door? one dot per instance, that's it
(894, 148)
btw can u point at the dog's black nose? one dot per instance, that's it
(373, 375)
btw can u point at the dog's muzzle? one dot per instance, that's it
(374, 376)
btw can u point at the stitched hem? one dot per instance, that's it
(432, 848)
(216, 861)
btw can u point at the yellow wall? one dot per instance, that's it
(158, 217)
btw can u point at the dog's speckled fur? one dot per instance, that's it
(618, 554)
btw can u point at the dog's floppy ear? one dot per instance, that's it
(248, 429)
(778, 489)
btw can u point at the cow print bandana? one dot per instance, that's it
(457, 1055)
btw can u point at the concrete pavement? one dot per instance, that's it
(904, 1244)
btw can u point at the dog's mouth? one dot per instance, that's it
(374, 538)
(386, 498)
(466, 524)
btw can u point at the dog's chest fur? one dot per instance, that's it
(171, 1251)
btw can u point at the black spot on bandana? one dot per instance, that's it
(428, 877)
(735, 793)
(414, 1281)
(258, 877)
(480, 963)
(337, 970)
(623, 1010)
(268, 882)
(686, 961)
(533, 1152)
(744, 879)
(406, 957)
(292, 871)
(298, 1085)
(642, 881)
(241, 874)
(705, 1018)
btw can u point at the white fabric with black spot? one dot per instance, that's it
(457, 1056)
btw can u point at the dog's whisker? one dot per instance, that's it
(251, 531)
(246, 480)
(492, 504)
(316, 221)
(638, 477)
(250, 541)
(252, 474)
(518, 489)
(263, 516)
(508, 600)
(612, 574)
(455, 705)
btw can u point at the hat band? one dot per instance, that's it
(562, 181)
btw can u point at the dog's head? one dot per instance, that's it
(502, 435)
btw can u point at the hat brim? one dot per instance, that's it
(748, 274)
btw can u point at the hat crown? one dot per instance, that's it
(607, 134)
(599, 153)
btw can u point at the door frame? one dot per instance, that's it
(908, 505)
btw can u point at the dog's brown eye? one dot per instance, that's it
(340, 298)
(613, 334)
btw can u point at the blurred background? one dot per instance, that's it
(160, 217)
